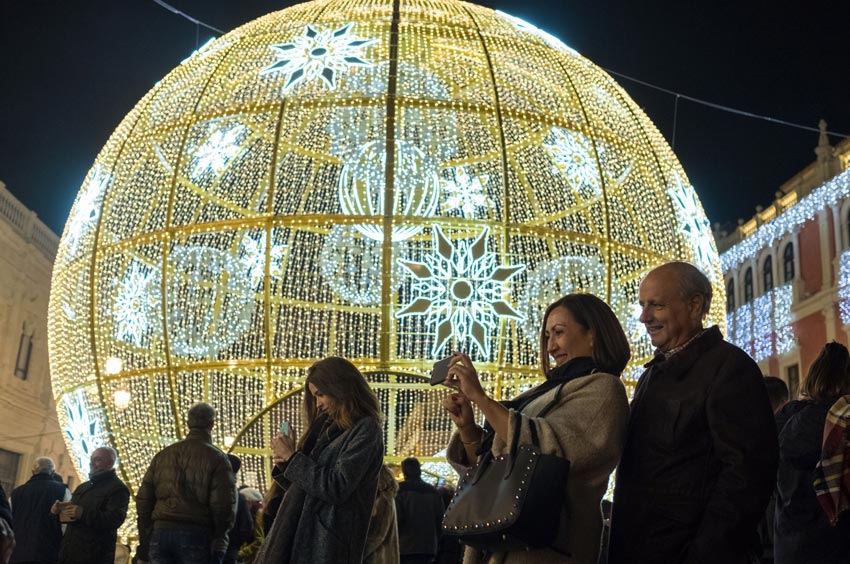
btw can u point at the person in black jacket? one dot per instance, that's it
(39, 533)
(701, 448)
(96, 510)
(243, 527)
(420, 509)
(7, 535)
(802, 532)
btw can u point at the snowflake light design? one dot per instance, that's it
(135, 308)
(70, 313)
(694, 225)
(253, 256)
(465, 192)
(318, 54)
(573, 156)
(82, 428)
(218, 150)
(86, 211)
(461, 291)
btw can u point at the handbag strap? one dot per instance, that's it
(486, 459)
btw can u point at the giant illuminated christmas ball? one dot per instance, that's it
(378, 180)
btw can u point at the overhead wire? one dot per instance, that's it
(678, 95)
(722, 107)
(195, 21)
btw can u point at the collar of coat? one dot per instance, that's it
(684, 357)
(200, 434)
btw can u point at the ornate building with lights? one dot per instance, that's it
(28, 423)
(787, 269)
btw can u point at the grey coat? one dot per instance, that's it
(339, 486)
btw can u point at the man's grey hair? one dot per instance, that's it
(692, 282)
(43, 465)
(201, 416)
(113, 454)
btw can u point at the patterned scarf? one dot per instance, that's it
(832, 473)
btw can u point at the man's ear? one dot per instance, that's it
(696, 306)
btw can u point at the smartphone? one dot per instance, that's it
(284, 428)
(440, 371)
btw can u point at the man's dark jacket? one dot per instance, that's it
(419, 507)
(91, 539)
(5, 511)
(700, 459)
(189, 486)
(37, 532)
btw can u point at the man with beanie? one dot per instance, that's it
(187, 500)
(39, 532)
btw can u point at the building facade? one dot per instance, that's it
(28, 423)
(787, 269)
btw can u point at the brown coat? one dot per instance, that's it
(382, 539)
(588, 427)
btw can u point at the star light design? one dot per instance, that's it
(573, 156)
(135, 306)
(218, 150)
(694, 225)
(87, 210)
(461, 291)
(465, 192)
(82, 428)
(318, 54)
(253, 256)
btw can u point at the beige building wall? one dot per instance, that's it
(28, 423)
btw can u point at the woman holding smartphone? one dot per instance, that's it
(586, 425)
(330, 475)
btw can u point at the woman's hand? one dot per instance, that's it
(460, 410)
(463, 377)
(283, 447)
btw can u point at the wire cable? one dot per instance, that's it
(722, 107)
(678, 95)
(195, 21)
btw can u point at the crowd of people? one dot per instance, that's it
(713, 463)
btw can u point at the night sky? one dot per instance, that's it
(71, 70)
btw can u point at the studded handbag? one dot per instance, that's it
(511, 502)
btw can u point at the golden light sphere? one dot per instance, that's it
(381, 181)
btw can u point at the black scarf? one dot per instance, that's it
(575, 368)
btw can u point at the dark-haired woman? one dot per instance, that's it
(587, 424)
(802, 533)
(330, 476)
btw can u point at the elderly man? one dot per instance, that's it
(39, 533)
(96, 510)
(187, 500)
(700, 458)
